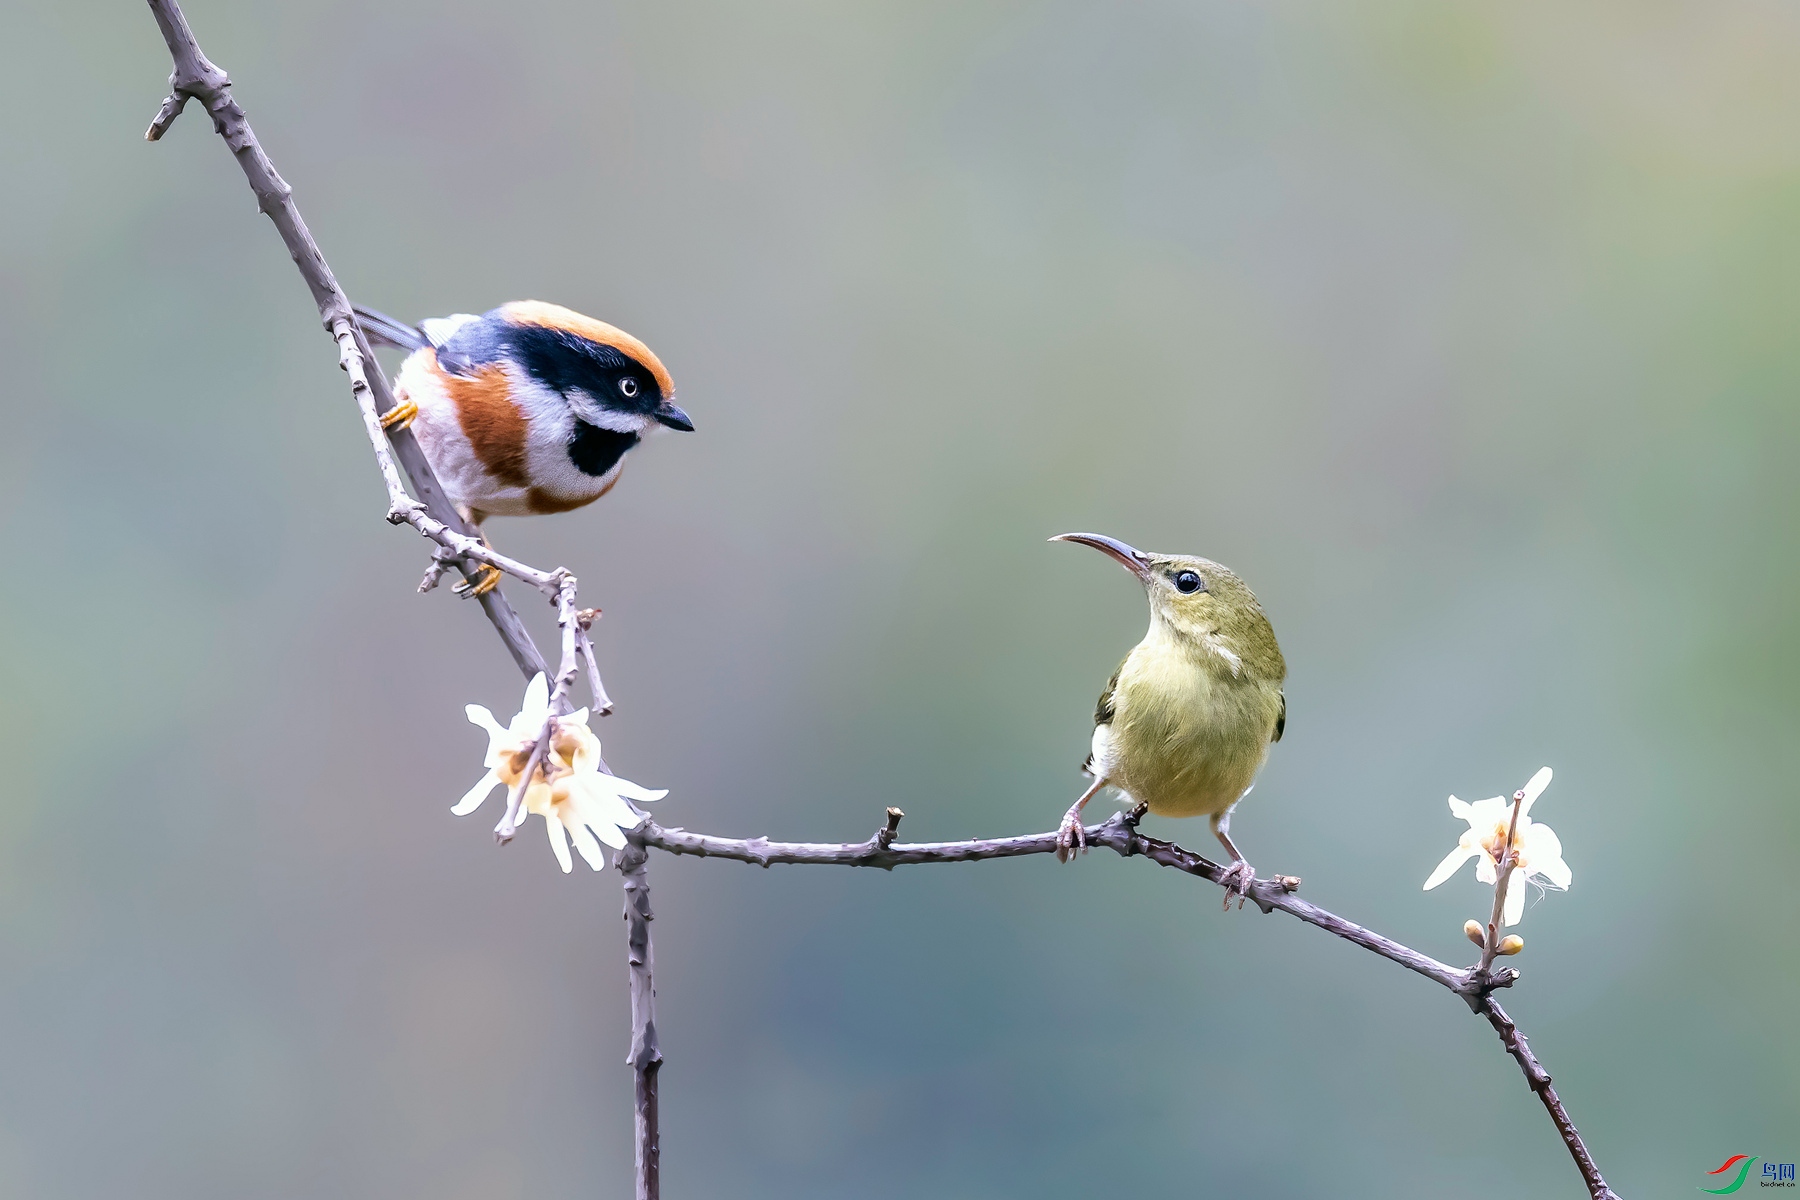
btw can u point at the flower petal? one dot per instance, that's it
(587, 747)
(1535, 788)
(1558, 873)
(529, 720)
(1485, 870)
(476, 796)
(634, 791)
(1515, 898)
(601, 806)
(1544, 852)
(1459, 809)
(1490, 811)
(558, 845)
(479, 715)
(609, 833)
(589, 848)
(1447, 868)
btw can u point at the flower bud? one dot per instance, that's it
(1512, 943)
(1474, 931)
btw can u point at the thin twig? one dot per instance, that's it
(1475, 985)
(441, 561)
(195, 77)
(1118, 833)
(1508, 859)
(645, 1058)
(1539, 1079)
(585, 619)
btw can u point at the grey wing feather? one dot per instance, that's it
(383, 330)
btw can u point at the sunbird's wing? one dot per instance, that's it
(1103, 713)
(1280, 721)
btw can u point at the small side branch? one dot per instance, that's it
(584, 623)
(1475, 985)
(645, 1058)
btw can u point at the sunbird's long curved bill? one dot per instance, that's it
(1132, 559)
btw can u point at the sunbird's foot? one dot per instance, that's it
(1237, 880)
(1071, 837)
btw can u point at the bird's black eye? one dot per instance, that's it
(629, 386)
(1187, 582)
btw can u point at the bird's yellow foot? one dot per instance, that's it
(485, 580)
(399, 416)
(1071, 837)
(1237, 880)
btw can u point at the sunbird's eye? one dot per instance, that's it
(629, 386)
(1187, 582)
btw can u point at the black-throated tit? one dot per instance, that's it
(529, 408)
(1186, 721)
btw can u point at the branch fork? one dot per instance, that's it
(568, 618)
(878, 845)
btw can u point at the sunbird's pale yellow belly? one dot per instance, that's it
(1187, 735)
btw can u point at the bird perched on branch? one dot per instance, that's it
(530, 408)
(1186, 721)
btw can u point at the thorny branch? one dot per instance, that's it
(1539, 1079)
(402, 462)
(1119, 833)
(196, 77)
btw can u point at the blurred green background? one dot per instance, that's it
(1465, 332)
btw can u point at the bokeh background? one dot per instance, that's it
(1466, 333)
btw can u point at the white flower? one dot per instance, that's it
(1538, 850)
(577, 800)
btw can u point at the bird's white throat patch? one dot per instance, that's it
(595, 413)
(1209, 640)
(1217, 646)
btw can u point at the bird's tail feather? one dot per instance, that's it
(383, 330)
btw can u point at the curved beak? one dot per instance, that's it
(672, 416)
(1135, 561)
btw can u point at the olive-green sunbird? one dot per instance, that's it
(1186, 721)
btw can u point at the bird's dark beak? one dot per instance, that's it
(1135, 561)
(672, 416)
